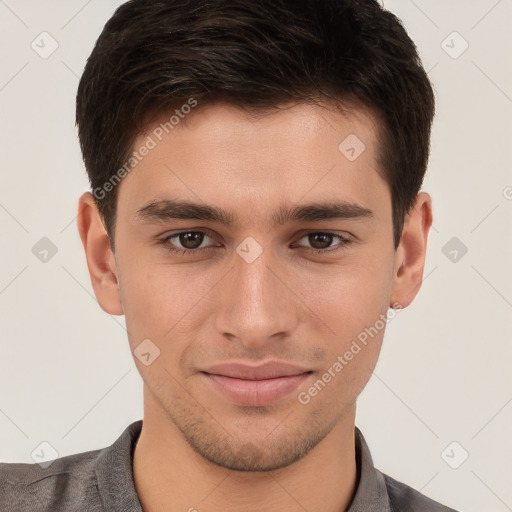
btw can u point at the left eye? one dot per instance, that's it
(322, 242)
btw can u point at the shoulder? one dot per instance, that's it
(95, 481)
(403, 498)
(65, 483)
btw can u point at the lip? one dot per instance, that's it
(255, 385)
(267, 370)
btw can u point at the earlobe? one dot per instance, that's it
(410, 254)
(100, 259)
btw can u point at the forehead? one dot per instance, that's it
(223, 155)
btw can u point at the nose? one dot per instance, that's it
(256, 305)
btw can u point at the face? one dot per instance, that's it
(253, 252)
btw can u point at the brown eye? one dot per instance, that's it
(187, 242)
(322, 242)
(191, 239)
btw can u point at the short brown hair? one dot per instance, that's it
(154, 55)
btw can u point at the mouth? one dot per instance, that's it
(255, 385)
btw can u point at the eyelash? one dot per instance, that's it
(344, 242)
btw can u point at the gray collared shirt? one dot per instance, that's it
(102, 481)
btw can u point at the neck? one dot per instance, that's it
(169, 475)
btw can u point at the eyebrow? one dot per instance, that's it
(168, 209)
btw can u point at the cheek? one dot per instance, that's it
(163, 303)
(348, 298)
(148, 299)
(356, 317)
(352, 301)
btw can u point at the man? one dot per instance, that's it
(255, 209)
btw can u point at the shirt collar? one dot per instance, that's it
(116, 484)
(114, 472)
(371, 492)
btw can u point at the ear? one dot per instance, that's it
(411, 252)
(100, 258)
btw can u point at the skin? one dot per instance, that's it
(198, 450)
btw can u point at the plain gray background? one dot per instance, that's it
(442, 388)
